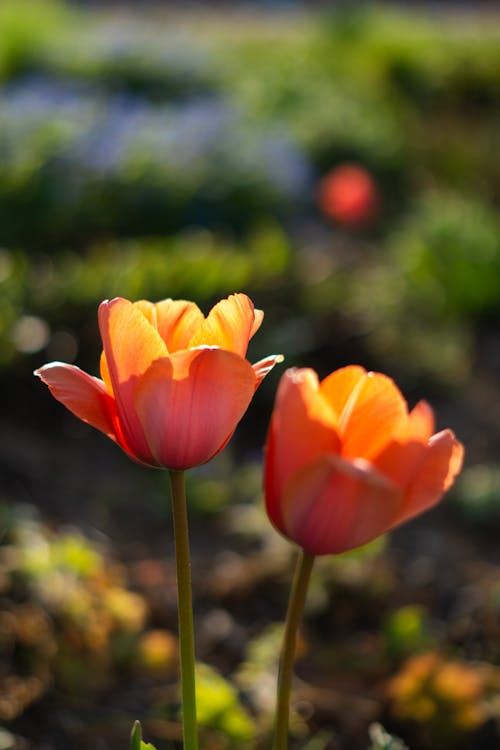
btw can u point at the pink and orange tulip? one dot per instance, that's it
(174, 383)
(346, 461)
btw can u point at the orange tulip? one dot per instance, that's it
(346, 461)
(174, 383)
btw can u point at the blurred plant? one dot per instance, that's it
(381, 740)
(27, 650)
(406, 631)
(9, 741)
(157, 652)
(26, 29)
(256, 675)
(122, 163)
(477, 494)
(446, 698)
(160, 63)
(435, 280)
(67, 617)
(448, 252)
(219, 709)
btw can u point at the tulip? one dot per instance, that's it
(346, 461)
(174, 383)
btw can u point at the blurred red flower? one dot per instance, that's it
(174, 383)
(348, 195)
(345, 460)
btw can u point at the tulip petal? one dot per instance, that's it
(335, 505)
(338, 387)
(104, 370)
(190, 403)
(147, 308)
(264, 366)
(229, 325)
(130, 344)
(436, 473)
(373, 414)
(302, 427)
(400, 459)
(274, 477)
(420, 424)
(257, 322)
(85, 396)
(177, 321)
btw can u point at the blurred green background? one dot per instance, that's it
(340, 163)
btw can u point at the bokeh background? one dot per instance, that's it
(341, 164)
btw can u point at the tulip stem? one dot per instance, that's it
(185, 610)
(293, 620)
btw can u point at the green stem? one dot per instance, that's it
(293, 620)
(185, 610)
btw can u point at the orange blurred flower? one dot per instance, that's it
(348, 195)
(449, 696)
(174, 383)
(346, 461)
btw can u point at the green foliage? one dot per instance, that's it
(256, 674)
(477, 494)
(26, 28)
(157, 63)
(69, 618)
(406, 631)
(449, 254)
(218, 707)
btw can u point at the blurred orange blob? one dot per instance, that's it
(449, 696)
(349, 196)
(346, 461)
(174, 383)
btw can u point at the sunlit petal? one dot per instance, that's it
(400, 459)
(305, 425)
(229, 325)
(264, 366)
(345, 461)
(177, 321)
(338, 387)
(104, 370)
(130, 344)
(257, 321)
(190, 403)
(420, 424)
(372, 415)
(437, 471)
(334, 505)
(81, 393)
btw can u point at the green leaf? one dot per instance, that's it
(136, 742)
(136, 736)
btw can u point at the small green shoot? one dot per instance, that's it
(136, 742)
